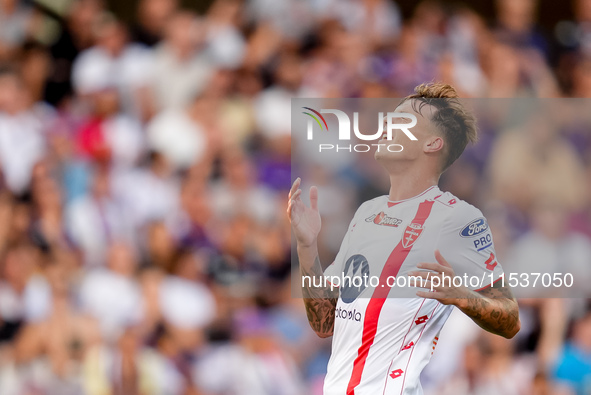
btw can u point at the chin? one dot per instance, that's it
(384, 157)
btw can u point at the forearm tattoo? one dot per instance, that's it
(495, 310)
(320, 302)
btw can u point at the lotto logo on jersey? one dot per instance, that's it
(411, 234)
(383, 219)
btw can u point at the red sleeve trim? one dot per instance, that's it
(488, 286)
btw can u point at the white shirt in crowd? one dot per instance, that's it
(178, 137)
(177, 82)
(93, 225)
(95, 69)
(22, 145)
(114, 300)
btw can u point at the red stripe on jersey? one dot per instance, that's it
(372, 314)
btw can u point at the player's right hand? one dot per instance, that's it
(305, 221)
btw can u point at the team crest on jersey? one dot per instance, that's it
(383, 219)
(411, 234)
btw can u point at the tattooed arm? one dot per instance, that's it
(305, 221)
(320, 302)
(494, 309)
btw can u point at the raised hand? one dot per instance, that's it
(443, 291)
(494, 308)
(305, 221)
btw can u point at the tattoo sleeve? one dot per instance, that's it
(494, 309)
(320, 302)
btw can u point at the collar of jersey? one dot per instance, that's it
(392, 203)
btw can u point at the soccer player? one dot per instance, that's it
(380, 345)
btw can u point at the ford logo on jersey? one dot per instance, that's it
(474, 228)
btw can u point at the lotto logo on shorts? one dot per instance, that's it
(396, 373)
(408, 346)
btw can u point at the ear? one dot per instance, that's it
(433, 144)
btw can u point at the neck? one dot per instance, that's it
(406, 186)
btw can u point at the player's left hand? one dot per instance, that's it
(442, 291)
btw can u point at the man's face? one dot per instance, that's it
(11, 93)
(412, 149)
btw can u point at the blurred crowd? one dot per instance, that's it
(144, 170)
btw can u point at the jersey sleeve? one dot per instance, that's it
(467, 244)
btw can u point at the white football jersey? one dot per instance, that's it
(382, 342)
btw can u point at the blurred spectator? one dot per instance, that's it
(290, 19)
(574, 364)
(536, 162)
(95, 220)
(15, 25)
(128, 367)
(186, 305)
(111, 294)
(147, 193)
(180, 68)
(490, 366)
(21, 294)
(21, 133)
(52, 351)
(178, 136)
(575, 35)
(112, 63)
(272, 106)
(161, 247)
(238, 193)
(47, 230)
(516, 24)
(152, 16)
(581, 78)
(551, 246)
(225, 44)
(257, 364)
(196, 215)
(109, 134)
(35, 68)
(77, 34)
(377, 19)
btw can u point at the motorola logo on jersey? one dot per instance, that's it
(352, 315)
(355, 275)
